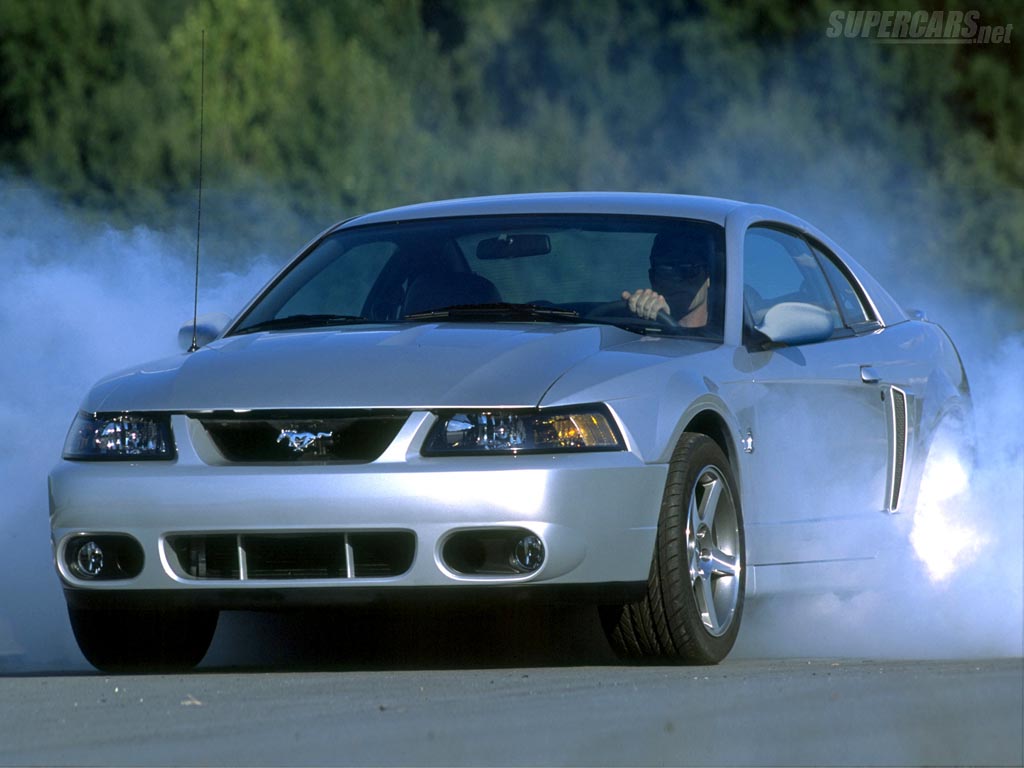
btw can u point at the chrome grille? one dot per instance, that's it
(292, 556)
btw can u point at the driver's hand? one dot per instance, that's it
(646, 303)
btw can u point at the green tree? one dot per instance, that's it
(87, 107)
(252, 85)
(318, 110)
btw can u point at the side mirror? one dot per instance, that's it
(208, 327)
(793, 322)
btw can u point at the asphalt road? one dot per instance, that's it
(740, 713)
(405, 699)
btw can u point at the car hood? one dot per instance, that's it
(432, 365)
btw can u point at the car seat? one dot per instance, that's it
(449, 289)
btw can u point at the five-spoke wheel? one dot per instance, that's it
(691, 612)
(712, 541)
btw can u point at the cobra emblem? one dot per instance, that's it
(302, 441)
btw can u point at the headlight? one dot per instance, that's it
(588, 428)
(125, 436)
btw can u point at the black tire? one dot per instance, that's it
(694, 602)
(137, 641)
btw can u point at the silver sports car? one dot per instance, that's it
(658, 404)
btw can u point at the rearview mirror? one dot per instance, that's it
(794, 322)
(207, 328)
(513, 247)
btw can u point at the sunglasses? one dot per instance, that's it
(677, 272)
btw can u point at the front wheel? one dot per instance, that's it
(133, 641)
(694, 602)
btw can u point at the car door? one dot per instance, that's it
(819, 434)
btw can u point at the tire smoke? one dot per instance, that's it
(957, 591)
(77, 302)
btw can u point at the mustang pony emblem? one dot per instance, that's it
(302, 441)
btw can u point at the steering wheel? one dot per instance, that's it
(620, 307)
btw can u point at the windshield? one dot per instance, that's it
(562, 268)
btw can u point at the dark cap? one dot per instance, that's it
(695, 246)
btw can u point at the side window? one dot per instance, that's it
(779, 267)
(851, 307)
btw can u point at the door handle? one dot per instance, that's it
(869, 375)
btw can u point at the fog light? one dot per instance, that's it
(104, 556)
(528, 554)
(90, 559)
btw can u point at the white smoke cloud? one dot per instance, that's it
(77, 302)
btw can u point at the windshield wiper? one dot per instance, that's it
(301, 321)
(500, 311)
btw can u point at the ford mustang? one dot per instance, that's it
(657, 404)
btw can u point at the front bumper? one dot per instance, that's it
(596, 514)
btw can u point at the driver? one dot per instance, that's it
(680, 279)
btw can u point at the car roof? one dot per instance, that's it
(712, 209)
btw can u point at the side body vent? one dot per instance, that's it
(897, 447)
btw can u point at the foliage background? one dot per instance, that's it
(910, 155)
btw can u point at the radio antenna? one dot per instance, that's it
(199, 206)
